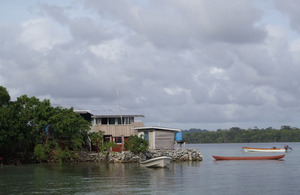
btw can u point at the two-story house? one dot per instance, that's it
(116, 123)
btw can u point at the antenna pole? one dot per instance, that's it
(119, 105)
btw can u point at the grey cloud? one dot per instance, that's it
(83, 29)
(291, 9)
(177, 24)
(232, 22)
(57, 12)
(192, 62)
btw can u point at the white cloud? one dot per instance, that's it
(176, 90)
(108, 50)
(42, 34)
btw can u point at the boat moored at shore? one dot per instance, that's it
(248, 149)
(158, 162)
(248, 157)
(274, 149)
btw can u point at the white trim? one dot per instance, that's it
(141, 134)
(154, 140)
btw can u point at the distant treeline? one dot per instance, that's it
(238, 135)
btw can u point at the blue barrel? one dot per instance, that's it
(178, 136)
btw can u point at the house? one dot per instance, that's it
(117, 124)
(159, 137)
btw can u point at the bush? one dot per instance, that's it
(137, 144)
(65, 155)
(52, 150)
(40, 151)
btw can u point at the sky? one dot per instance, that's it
(205, 64)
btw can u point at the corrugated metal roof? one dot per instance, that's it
(102, 111)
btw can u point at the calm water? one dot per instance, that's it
(206, 177)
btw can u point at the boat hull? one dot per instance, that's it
(158, 162)
(248, 149)
(249, 157)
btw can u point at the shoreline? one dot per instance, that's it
(177, 155)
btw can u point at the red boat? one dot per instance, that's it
(249, 157)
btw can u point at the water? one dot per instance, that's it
(206, 177)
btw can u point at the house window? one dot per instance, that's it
(118, 140)
(94, 121)
(146, 134)
(104, 121)
(119, 121)
(128, 120)
(107, 138)
(112, 121)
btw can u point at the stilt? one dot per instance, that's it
(180, 144)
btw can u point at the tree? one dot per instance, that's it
(15, 126)
(61, 132)
(29, 122)
(68, 127)
(285, 127)
(237, 135)
(97, 139)
(4, 97)
(10, 132)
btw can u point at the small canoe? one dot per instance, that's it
(161, 161)
(248, 149)
(249, 157)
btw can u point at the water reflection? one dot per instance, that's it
(206, 177)
(93, 178)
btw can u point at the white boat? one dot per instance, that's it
(161, 161)
(248, 149)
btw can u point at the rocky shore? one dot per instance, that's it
(177, 155)
(129, 157)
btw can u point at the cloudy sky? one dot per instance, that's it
(205, 64)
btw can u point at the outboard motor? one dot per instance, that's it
(148, 155)
(286, 147)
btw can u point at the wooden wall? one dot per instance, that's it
(118, 130)
(164, 139)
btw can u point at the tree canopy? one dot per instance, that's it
(28, 122)
(237, 135)
(4, 96)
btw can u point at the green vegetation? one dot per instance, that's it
(97, 140)
(137, 144)
(31, 125)
(237, 135)
(41, 152)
